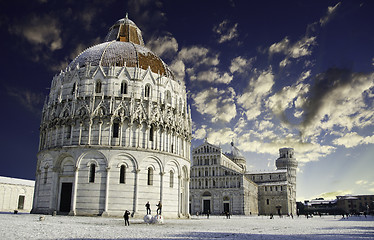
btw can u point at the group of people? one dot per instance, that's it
(148, 208)
(126, 214)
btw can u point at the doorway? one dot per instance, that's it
(206, 206)
(65, 197)
(21, 202)
(226, 207)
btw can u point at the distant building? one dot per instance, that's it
(354, 204)
(16, 194)
(348, 204)
(220, 183)
(320, 206)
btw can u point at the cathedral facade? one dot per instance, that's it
(115, 133)
(220, 183)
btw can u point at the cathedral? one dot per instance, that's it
(115, 133)
(220, 183)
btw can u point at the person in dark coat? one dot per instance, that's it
(148, 207)
(159, 207)
(126, 217)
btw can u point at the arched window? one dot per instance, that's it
(73, 88)
(180, 104)
(267, 201)
(98, 87)
(45, 175)
(92, 172)
(171, 179)
(115, 129)
(68, 133)
(122, 174)
(150, 176)
(147, 91)
(151, 130)
(168, 97)
(124, 87)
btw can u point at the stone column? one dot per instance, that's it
(100, 126)
(136, 191)
(130, 130)
(138, 130)
(74, 193)
(161, 185)
(54, 190)
(147, 134)
(36, 191)
(186, 195)
(179, 195)
(105, 213)
(80, 133)
(110, 133)
(63, 135)
(71, 133)
(56, 135)
(89, 132)
(120, 133)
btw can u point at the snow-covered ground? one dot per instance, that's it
(28, 226)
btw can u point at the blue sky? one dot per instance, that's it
(268, 74)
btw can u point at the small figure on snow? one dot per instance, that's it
(148, 207)
(159, 207)
(126, 217)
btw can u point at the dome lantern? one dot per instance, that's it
(125, 30)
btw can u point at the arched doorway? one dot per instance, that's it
(226, 204)
(207, 199)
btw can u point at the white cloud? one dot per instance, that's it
(212, 75)
(286, 98)
(258, 88)
(330, 12)
(280, 47)
(284, 62)
(178, 69)
(200, 133)
(302, 47)
(222, 136)
(218, 104)
(40, 30)
(332, 195)
(299, 49)
(361, 182)
(240, 64)
(163, 46)
(225, 32)
(353, 139)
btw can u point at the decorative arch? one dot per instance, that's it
(126, 155)
(89, 152)
(176, 164)
(158, 161)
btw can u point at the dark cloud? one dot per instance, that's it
(324, 84)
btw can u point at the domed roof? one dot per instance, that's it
(124, 46)
(235, 153)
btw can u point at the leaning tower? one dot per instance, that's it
(286, 161)
(115, 133)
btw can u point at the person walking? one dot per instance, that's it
(159, 207)
(126, 217)
(148, 207)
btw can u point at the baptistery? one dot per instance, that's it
(115, 133)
